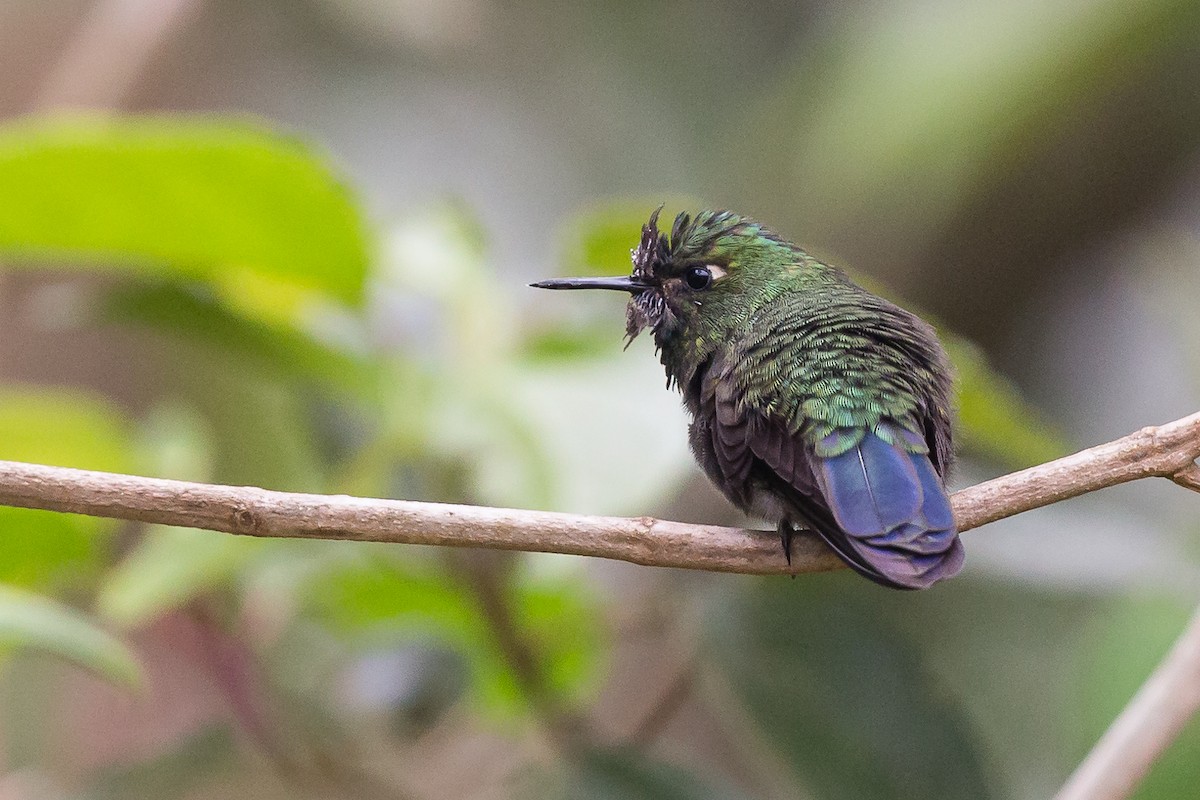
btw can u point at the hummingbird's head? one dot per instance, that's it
(701, 279)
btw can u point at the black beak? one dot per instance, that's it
(625, 284)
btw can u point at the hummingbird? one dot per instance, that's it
(813, 402)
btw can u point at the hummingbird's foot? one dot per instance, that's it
(786, 532)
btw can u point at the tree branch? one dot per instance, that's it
(1168, 451)
(1148, 725)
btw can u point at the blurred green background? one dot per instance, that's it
(285, 243)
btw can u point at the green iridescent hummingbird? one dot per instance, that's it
(813, 402)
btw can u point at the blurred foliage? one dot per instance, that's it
(379, 599)
(1135, 635)
(270, 383)
(994, 421)
(33, 622)
(913, 113)
(211, 200)
(174, 774)
(627, 773)
(597, 240)
(167, 568)
(63, 428)
(844, 695)
(196, 315)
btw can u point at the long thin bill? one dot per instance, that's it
(623, 284)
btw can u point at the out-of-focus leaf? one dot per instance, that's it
(376, 599)
(437, 290)
(843, 697)
(498, 438)
(42, 547)
(629, 775)
(1121, 649)
(453, 400)
(203, 318)
(262, 433)
(562, 343)
(564, 628)
(169, 567)
(597, 240)
(31, 621)
(62, 428)
(187, 197)
(373, 598)
(994, 420)
(437, 251)
(175, 442)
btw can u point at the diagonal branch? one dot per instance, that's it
(1165, 451)
(1145, 729)
(1168, 451)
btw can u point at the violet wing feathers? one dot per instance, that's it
(891, 510)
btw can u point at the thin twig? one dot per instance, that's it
(486, 578)
(1167, 451)
(677, 692)
(1148, 725)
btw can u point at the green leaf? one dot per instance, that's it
(378, 598)
(62, 428)
(175, 442)
(204, 198)
(994, 419)
(597, 239)
(169, 567)
(562, 623)
(261, 428)
(372, 597)
(46, 548)
(30, 621)
(592, 339)
(279, 346)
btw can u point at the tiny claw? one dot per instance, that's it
(786, 531)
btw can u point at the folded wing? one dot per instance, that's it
(892, 513)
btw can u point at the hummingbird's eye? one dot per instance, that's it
(698, 278)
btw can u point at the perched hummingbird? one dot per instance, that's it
(813, 401)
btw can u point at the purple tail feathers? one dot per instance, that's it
(895, 519)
